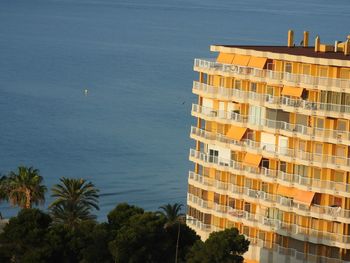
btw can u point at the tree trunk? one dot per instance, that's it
(28, 199)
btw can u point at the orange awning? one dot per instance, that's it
(304, 197)
(257, 62)
(241, 60)
(252, 159)
(225, 58)
(286, 191)
(236, 133)
(292, 91)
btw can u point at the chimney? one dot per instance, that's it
(290, 38)
(306, 39)
(347, 47)
(317, 44)
(336, 46)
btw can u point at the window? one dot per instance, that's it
(323, 96)
(317, 199)
(283, 166)
(248, 183)
(346, 99)
(247, 207)
(314, 223)
(317, 173)
(216, 198)
(254, 114)
(320, 123)
(246, 230)
(207, 219)
(213, 155)
(288, 67)
(302, 146)
(342, 125)
(238, 84)
(232, 179)
(265, 163)
(222, 82)
(340, 151)
(270, 90)
(318, 148)
(323, 71)
(253, 87)
(265, 187)
(218, 175)
(302, 119)
(306, 69)
(206, 171)
(337, 201)
(232, 202)
(261, 235)
(344, 73)
(339, 176)
(301, 170)
(335, 98)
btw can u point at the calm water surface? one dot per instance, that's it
(129, 135)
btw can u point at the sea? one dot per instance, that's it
(101, 89)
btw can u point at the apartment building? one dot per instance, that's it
(271, 154)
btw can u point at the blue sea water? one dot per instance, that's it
(130, 134)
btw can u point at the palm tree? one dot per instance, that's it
(173, 216)
(24, 188)
(171, 213)
(3, 188)
(75, 198)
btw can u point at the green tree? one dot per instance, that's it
(4, 188)
(140, 236)
(85, 243)
(171, 213)
(23, 238)
(140, 239)
(24, 188)
(173, 216)
(75, 198)
(226, 246)
(121, 214)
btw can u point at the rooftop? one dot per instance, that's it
(296, 50)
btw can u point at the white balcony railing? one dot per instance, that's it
(240, 95)
(277, 151)
(296, 79)
(296, 231)
(315, 185)
(312, 132)
(336, 213)
(288, 252)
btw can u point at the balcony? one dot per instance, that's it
(270, 175)
(288, 252)
(277, 127)
(271, 76)
(275, 102)
(270, 224)
(272, 151)
(270, 200)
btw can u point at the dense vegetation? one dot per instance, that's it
(69, 232)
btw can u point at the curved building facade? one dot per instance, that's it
(272, 155)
